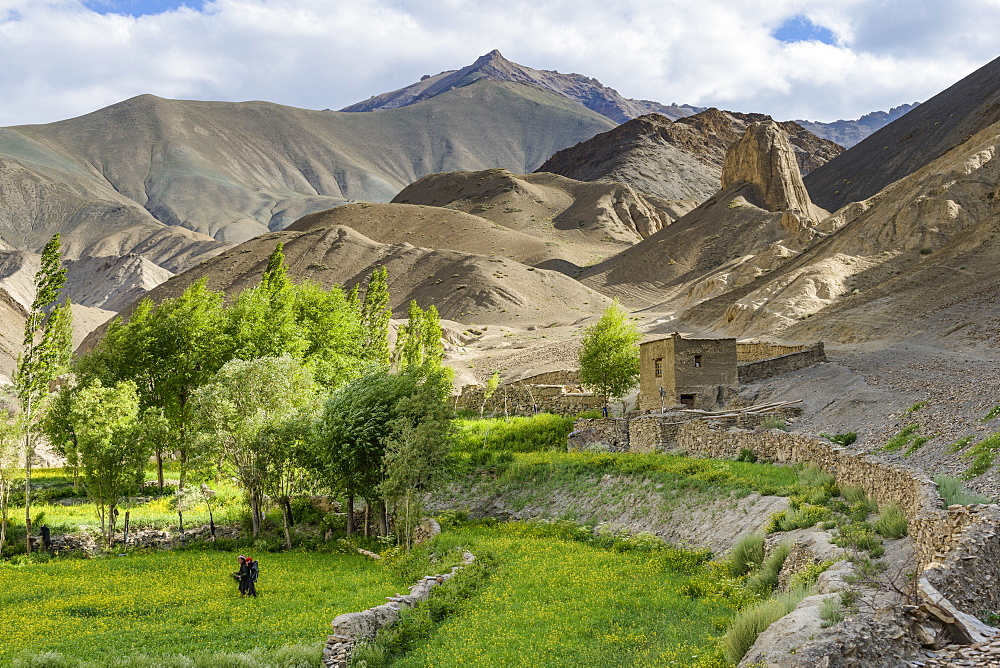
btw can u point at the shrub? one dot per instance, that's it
(774, 423)
(806, 515)
(841, 439)
(747, 455)
(891, 522)
(860, 536)
(994, 412)
(953, 492)
(369, 655)
(831, 611)
(751, 622)
(746, 555)
(807, 576)
(765, 579)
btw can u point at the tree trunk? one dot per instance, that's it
(286, 516)
(4, 501)
(350, 514)
(28, 456)
(288, 508)
(368, 524)
(159, 467)
(255, 514)
(211, 521)
(384, 517)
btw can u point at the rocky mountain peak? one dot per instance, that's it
(764, 158)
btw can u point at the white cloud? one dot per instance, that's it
(61, 59)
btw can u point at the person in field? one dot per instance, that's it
(247, 576)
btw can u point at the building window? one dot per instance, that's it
(687, 400)
(697, 360)
(658, 367)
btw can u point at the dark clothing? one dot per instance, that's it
(248, 578)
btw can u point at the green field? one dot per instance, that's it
(180, 602)
(559, 602)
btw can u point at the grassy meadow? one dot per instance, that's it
(180, 602)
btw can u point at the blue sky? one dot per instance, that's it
(140, 7)
(793, 59)
(800, 28)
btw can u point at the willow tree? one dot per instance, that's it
(46, 351)
(609, 354)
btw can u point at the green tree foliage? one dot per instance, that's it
(284, 454)
(375, 315)
(240, 403)
(11, 439)
(609, 354)
(46, 350)
(419, 441)
(112, 452)
(419, 342)
(491, 388)
(168, 350)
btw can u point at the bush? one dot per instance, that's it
(807, 577)
(537, 433)
(860, 536)
(774, 423)
(751, 622)
(891, 522)
(983, 454)
(747, 554)
(765, 580)
(831, 611)
(747, 455)
(806, 515)
(953, 492)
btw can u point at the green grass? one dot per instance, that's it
(983, 454)
(908, 437)
(765, 578)
(752, 621)
(747, 554)
(570, 602)
(891, 522)
(181, 602)
(953, 492)
(537, 433)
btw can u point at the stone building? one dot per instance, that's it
(695, 373)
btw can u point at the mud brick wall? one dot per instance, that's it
(752, 351)
(752, 372)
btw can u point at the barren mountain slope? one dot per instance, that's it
(760, 217)
(434, 227)
(849, 133)
(675, 160)
(464, 287)
(236, 170)
(910, 142)
(494, 67)
(584, 221)
(919, 257)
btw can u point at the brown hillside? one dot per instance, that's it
(584, 221)
(465, 287)
(917, 258)
(675, 160)
(761, 217)
(434, 227)
(910, 142)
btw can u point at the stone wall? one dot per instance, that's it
(351, 627)
(752, 351)
(523, 399)
(752, 372)
(611, 434)
(659, 432)
(562, 377)
(957, 548)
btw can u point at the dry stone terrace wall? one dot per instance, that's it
(958, 549)
(754, 371)
(521, 399)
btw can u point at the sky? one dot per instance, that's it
(794, 59)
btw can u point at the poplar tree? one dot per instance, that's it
(375, 315)
(46, 352)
